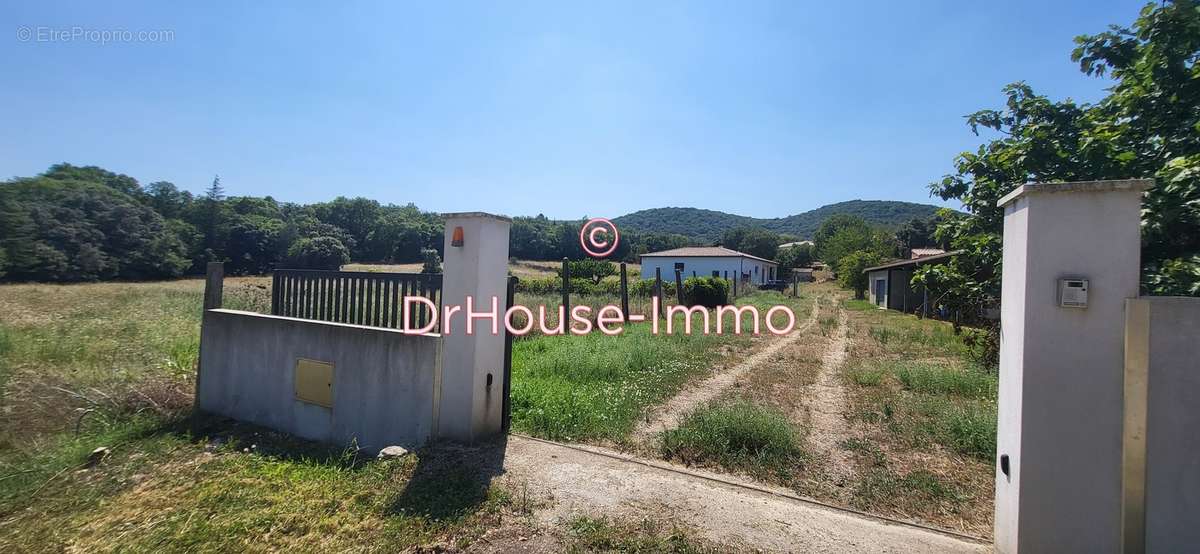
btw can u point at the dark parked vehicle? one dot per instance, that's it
(774, 284)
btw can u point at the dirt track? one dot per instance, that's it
(827, 408)
(723, 509)
(672, 412)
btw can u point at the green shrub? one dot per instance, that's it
(983, 345)
(709, 292)
(432, 263)
(540, 285)
(850, 270)
(645, 287)
(589, 269)
(318, 253)
(737, 435)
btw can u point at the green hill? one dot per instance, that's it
(708, 225)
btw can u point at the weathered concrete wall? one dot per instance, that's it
(1162, 440)
(1061, 369)
(384, 386)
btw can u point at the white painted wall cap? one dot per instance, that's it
(469, 215)
(1139, 185)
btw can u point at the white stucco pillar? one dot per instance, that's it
(1058, 467)
(472, 384)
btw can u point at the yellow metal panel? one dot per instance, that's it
(314, 382)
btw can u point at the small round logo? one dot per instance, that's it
(24, 34)
(599, 237)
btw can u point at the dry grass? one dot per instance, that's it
(72, 350)
(915, 455)
(924, 421)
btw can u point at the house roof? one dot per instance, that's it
(703, 252)
(914, 261)
(926, 252)
(797, 243)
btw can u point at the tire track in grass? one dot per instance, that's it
(828, 405)
(672, 412)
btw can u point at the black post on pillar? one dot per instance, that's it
(679, 286)
(506, 404)
(214, 283)
(658, 285)
(624, 294)
(566, 286)
(795, 284)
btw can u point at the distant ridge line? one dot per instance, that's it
(708, 225)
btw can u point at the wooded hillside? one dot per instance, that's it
(709, 225)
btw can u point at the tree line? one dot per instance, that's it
(75, 223)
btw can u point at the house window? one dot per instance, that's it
(679, 267)
(716, 273)
(756, 270)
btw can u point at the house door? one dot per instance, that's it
(880, 291)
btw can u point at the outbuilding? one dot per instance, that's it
(709, 261)
(888, 285)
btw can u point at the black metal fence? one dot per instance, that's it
(357, 297)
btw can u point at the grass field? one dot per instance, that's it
(595, 387)
(112, 364)
(83, 366)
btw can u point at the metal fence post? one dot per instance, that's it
(624, 294)
(679, 287)
(506, 409)
(566, 292)
(214, 283)
(658, 286)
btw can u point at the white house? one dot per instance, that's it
(709, 261)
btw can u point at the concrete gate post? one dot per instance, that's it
(475, 265)
(1071, 259)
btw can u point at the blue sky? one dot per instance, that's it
(761, 109)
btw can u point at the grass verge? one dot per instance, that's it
(602, 534)
(740, 436)
(249, 489)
